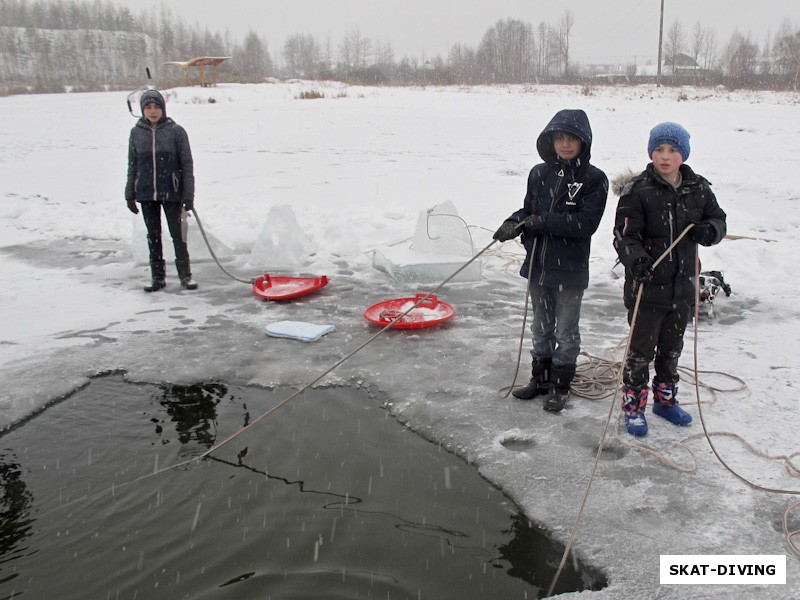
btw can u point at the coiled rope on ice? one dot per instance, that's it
(789, 535)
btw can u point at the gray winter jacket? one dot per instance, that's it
(160, 165)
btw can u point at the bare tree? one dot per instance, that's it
(253, 58)
(741, 59)
(505, 53)
(709, 50)
(675, 44)
(463, 63)
(542, 46)
(787, 54)
(354, 50)
(384, 53)
(553, 54)
(565, 30)
(302, 54)
(698, 41)
(765, 62)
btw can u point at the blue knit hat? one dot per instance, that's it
(672, 134)
(153, 97)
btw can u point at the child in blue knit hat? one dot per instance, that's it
(654, 208)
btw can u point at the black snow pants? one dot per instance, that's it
(657, 333)
(151, 211)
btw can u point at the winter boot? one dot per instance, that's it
(560, 380)
(158, 276)
(665, 405)
(185, 274)
(634, 403)
(540, 377)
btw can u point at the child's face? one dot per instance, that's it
(153, 112)
(566, 145)
(667, 160)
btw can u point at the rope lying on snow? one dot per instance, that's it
(214, 256)
(330, 369)
(612, 372)
(592, 381)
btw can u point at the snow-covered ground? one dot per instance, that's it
(351, 173)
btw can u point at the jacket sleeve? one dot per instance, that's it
(535, 179)
(130, 182)
(629, 226)
(715, 216)
(187, 165)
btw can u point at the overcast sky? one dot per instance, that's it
(613, 31)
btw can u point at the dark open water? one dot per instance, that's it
(330, 497)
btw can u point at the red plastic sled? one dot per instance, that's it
(431, 311)
(271, 287)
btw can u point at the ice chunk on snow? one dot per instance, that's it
(441, 231)
(406, 266)
(282, 243)
(441, 245)
(198, 250)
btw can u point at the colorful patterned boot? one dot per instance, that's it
(634, 403)
(665, 405)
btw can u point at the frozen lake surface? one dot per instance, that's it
(316, 187)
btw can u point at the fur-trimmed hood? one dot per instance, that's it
(621, 180)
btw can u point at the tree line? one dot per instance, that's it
(52, 45)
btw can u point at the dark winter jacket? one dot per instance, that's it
(160, 165)
(570, 197)
(651, 214)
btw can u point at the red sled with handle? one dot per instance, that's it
(277, 287)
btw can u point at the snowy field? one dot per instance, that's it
(346, 175)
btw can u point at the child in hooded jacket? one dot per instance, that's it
(654, 208)
(161, 176)
(563, 206)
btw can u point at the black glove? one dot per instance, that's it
(703, 233)
(132, 206)
(507, 231)
(532, 224)
(642, 270)
(188, 204)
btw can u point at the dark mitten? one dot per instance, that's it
(532, 224)
(703, 233)
(188, 204)
(642, 270)
(507, 231)
(132, 206)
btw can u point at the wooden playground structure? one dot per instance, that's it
(200, 63)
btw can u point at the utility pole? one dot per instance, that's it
(660, 37)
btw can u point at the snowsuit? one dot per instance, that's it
(161, 175)
(650, 215)
(569, 196)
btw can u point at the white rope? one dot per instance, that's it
(214, 256)
(576, 524)
(345, 358)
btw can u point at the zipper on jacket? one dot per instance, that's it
(544, 238)
(155, 191)
(671, 232)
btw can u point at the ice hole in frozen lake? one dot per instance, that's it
(328, 497)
